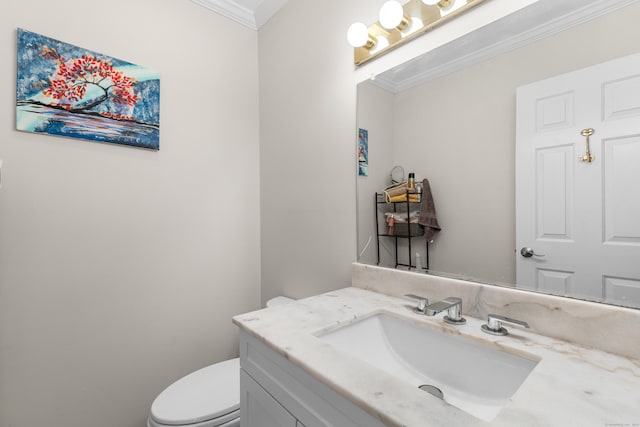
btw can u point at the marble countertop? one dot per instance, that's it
(570, 386)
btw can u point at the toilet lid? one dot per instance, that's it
(200, 396)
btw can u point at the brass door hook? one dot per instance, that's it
(587, 157)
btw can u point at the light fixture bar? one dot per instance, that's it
(431, 16)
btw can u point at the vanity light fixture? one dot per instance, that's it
(392, 16)
(359, 36)
(398, 24)
(381, 43)
(440, 3)
(446, 6)
(452, 6)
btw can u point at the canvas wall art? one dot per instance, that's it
(363, 152)
(69, 91)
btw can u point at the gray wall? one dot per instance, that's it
(376, 115)
(308, 132)
(120, 268)
(307, 149)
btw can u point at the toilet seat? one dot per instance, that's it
(209, 397)
(235, 422)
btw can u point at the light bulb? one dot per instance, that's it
(358, 34)
(391, 14)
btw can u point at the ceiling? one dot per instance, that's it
(250, 13)
(542, 18)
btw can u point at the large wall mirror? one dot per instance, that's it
(458, 130)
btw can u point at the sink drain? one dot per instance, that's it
(431, 389)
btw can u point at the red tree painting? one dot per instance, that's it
(70, 91)
(68, 86)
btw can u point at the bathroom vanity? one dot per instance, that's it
(321, 361)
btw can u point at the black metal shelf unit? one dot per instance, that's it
(400, 231)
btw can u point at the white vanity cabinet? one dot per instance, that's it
(275, 392)
(258, 408)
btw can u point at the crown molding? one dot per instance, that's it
(254, 16)
(537, 21)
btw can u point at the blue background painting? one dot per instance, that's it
(37, 112)
(363, 152)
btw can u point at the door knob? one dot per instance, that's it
(528, 252)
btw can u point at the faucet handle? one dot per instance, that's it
(453, 305)
(495, 321)
(454, 311)
(423, 302)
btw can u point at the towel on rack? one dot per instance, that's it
(428, 212)
(394, 191)
(412, 198)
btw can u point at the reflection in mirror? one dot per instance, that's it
(459, 132)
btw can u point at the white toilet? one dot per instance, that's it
(209, 397)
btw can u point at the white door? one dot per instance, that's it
(581, 219)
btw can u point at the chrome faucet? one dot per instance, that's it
(423, 302)
(453, 305)
(495, 321)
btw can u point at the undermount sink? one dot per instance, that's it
(476, 378)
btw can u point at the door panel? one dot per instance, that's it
(621, 98)
(554, 112)
(554, 169)
(554, 282)
(621, 174)
(622, 291)
(581, 218)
